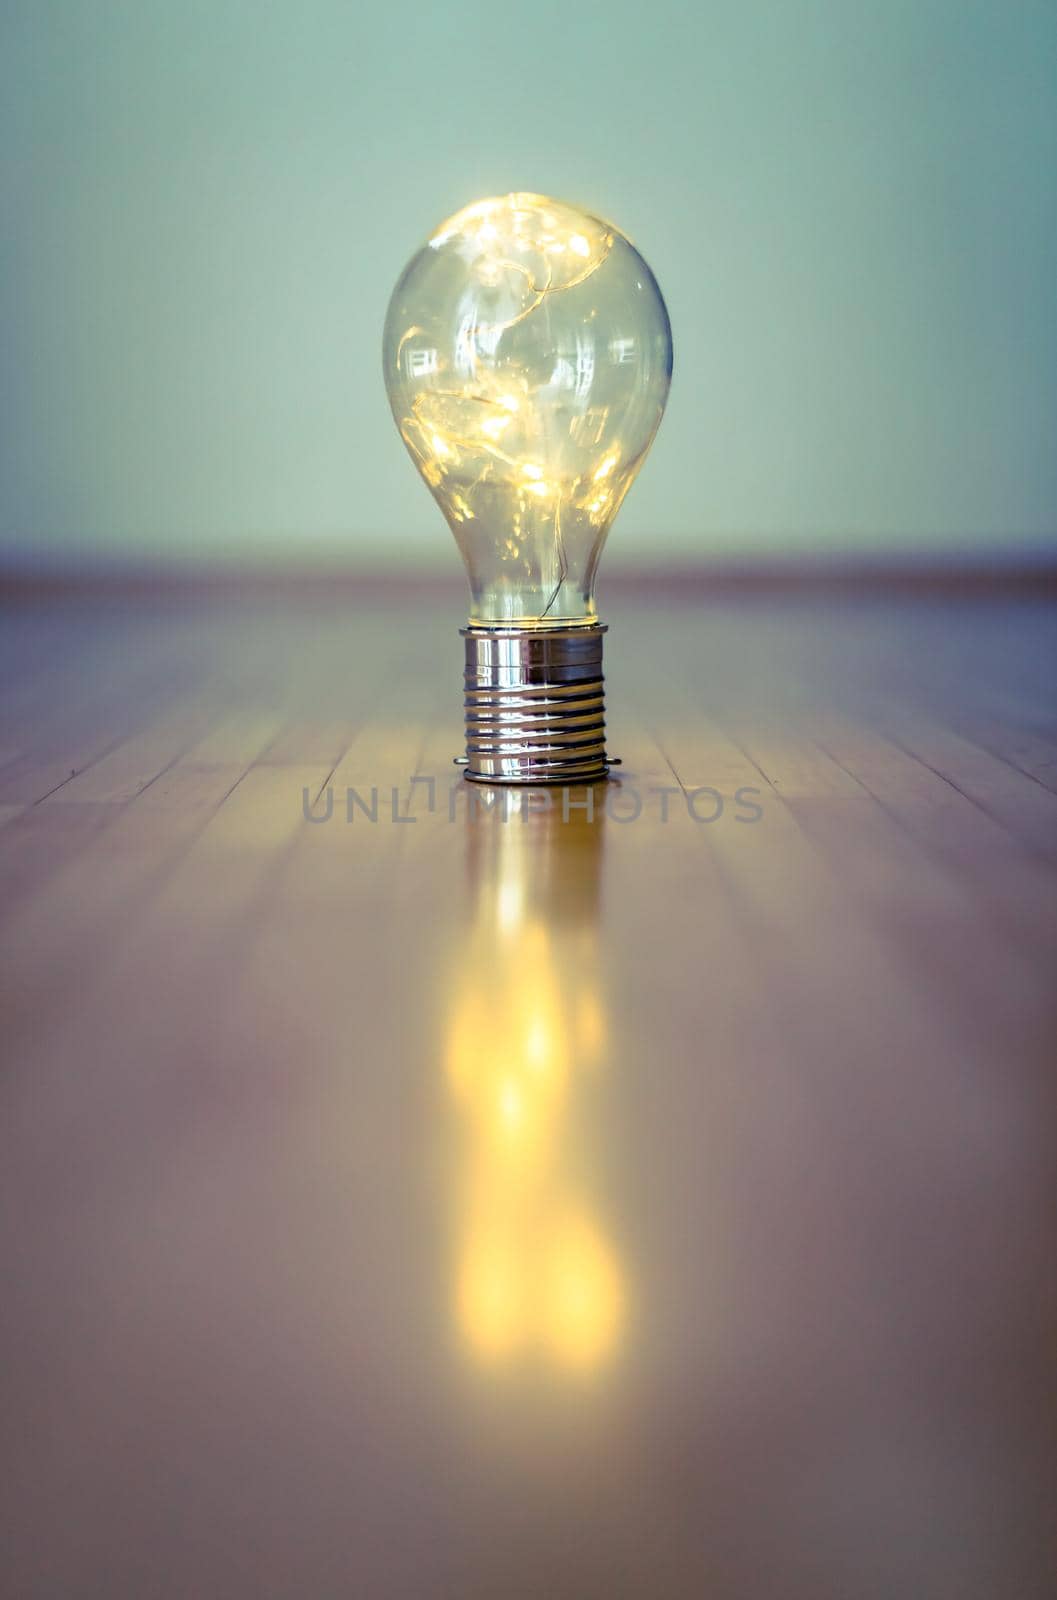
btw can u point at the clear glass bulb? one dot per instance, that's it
(528, 357)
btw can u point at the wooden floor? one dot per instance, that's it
(480, 1206)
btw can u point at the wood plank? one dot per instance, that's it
(794, 1120)
(1024, 748)
(1013, 798)
(136, 762)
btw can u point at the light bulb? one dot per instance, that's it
(527, 359)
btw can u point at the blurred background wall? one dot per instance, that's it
(850, 205)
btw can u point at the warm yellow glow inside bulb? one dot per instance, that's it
(528, 341)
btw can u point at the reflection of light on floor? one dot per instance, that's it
(548, 1282)
(511, 1106)
(508, 1061)
(590, 1026)
(491, 1295)
(583, 1300)
(537, 1044)
(536, 1276)
(509, 905)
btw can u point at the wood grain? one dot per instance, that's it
(763, 1299)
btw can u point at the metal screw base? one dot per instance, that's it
(535, 705)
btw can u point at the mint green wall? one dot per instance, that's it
(851, 206)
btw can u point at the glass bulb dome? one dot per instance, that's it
(528, 357)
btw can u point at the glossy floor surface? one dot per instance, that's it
(653, 1202)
